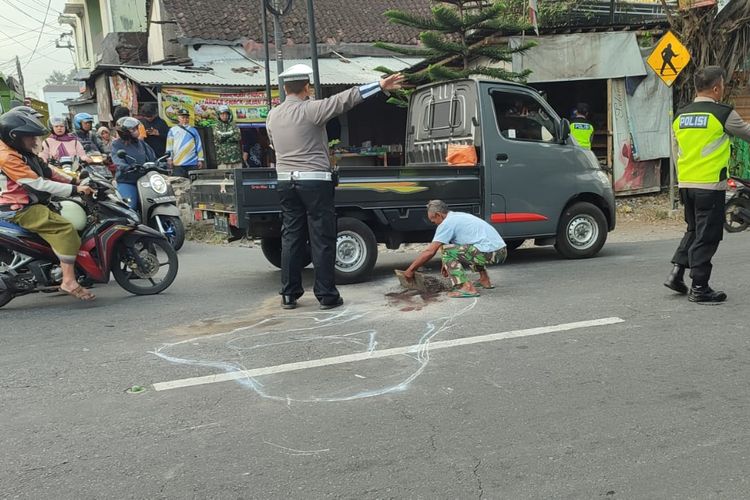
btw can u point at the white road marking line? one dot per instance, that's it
(384, 353)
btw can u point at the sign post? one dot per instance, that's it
(668, 59)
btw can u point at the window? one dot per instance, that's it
(521, 117)
(444, 114)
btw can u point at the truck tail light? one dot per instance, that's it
(198, 215)
(233, 220)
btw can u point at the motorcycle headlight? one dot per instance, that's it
(158, 184)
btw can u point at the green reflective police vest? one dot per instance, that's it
(582, 132)
(704, 145)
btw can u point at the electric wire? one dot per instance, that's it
(41, 30)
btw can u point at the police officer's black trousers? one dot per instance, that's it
(308, 205)
(704, 214)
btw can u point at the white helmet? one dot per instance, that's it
(74, 213)
(297, 72)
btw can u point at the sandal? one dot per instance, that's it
(479, 284)
(461, 294)
(80, 293)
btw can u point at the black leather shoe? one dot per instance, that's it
(705, 295)
(332, 305)
(288, 302)
(676, 280)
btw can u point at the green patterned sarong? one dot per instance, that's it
(456, 257)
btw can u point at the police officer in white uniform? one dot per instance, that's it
(297, 130)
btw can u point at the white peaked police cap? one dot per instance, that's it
(297, 72)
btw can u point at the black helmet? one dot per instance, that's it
(28, 110)
(15, 125)
(125, 126)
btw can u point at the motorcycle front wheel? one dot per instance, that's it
(147, 268)
(733, 220)
(174, 229)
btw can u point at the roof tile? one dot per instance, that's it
(353, 21)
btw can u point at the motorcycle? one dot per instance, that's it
(113, 241)
(737, 207)
(72, 165)
(157, 202)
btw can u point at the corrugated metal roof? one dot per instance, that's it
(250, 73)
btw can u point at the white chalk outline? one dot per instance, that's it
(420, 349)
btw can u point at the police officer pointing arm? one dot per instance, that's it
(297, 131)
(702, 131)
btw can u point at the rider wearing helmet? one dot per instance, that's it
(227, 140)
(31, 186)
(28, 110)
(61, 143)
(83, 124)
(138, 152)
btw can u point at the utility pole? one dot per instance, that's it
(313, 47)
(277, 36)
(266, 53)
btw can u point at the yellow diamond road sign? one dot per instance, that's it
(669, 58)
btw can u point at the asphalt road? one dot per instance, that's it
(649, 402)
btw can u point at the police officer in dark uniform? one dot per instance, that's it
(702, 132)
(297, 131)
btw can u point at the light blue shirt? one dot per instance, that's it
(460, 228)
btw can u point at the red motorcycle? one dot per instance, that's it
(113, 240)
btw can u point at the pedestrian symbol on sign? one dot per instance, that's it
(669, 58)
(667, 55)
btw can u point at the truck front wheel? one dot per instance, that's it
(356, 251)
(582, 232)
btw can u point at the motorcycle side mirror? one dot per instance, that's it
(121, 154)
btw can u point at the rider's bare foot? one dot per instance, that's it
(78, 292)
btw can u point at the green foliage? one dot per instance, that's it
(458, 34)
(60, 78)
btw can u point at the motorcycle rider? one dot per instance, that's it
(31, 185)
(83, 124)
(61, 143)
(138, 152)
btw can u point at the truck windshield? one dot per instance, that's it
(521, 117)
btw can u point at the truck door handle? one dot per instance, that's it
(501, 157)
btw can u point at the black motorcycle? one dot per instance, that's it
(737, 208)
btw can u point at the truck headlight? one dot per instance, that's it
(603, 177)
(158, 184)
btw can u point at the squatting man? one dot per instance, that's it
(465, 241)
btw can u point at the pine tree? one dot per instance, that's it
(457, 35)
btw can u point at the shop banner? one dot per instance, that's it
(246, 107)
(631, 174)
(124, 93)
(695, 4)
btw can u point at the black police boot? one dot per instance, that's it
(676, 280)
(331, 305)
(288, 302)
(705, 295)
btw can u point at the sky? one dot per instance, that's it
(20, 25)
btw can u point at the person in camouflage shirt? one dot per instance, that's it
(227, 141)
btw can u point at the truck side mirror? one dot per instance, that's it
(564, 130)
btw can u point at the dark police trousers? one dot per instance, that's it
(308, 204)
(704, 214)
